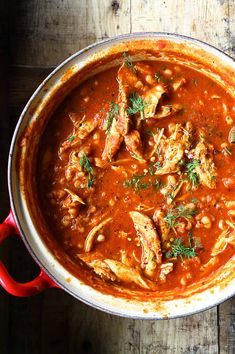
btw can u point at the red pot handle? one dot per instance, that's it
(41, 282)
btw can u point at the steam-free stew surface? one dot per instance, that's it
(136, 177)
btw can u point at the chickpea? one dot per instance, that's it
(87, 99)
(111, 202)
(221, 224)
(191, 206)
(206, 221)
(100, 238)
(189, 225)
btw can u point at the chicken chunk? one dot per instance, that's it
(127, 80)
(172, 150)
(206, 169)
(134, 144)
(166, 111)
(226, 237)
(126, 274)
(151, 247)
(81, 130)
(112, 143)
(158, 218)
(151, 99)
(172, 188)
(165, 269)
(178, 83)
(109, 269)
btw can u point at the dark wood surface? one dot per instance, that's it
(35, 36)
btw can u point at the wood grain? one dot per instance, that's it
(50, 31)
(42, 34)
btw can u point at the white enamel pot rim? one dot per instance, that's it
(39, 250)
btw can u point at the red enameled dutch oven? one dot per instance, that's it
(22, 220)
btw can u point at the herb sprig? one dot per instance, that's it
(137, 105)
(182, 211)
(86, 166)
(135, 182)
(192, 174)
(128, 62)
(71, 138)
(227, 151)
(180, 249)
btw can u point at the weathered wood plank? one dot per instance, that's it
(226, 314)
(46, 32)
(208, 20)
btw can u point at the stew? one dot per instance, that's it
(136, 177)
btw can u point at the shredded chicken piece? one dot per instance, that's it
(112, 143)
(151, 247)
(92, 234)
(230, 204)
(75, 198)
(178, 83)
(143, 69)
(166, 111)
(126, 274)
(211, 263)
(151, 99)
(102, 269)
(165, 269)
(127, 80)
(81, 130)
(134, 144)
(172, 150)
(158, 218)
(109, 269)
(172, 188)
(225, 238)
(206, 170)
(157, 137)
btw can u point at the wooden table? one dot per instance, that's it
(35, 37)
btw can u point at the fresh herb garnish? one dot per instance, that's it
(137, 105)
(71, 138)
(181, 211)
(158, 165)
(128, 62)
(157, 184)
(113, 111)
(135, 182)
(226, 150)
(86, 166)
(192, 174)
(151, 170)
(194, 200)
(137, 157)
(179, 249)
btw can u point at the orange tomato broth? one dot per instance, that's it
(204, 103)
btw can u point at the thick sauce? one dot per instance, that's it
(136, 177)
